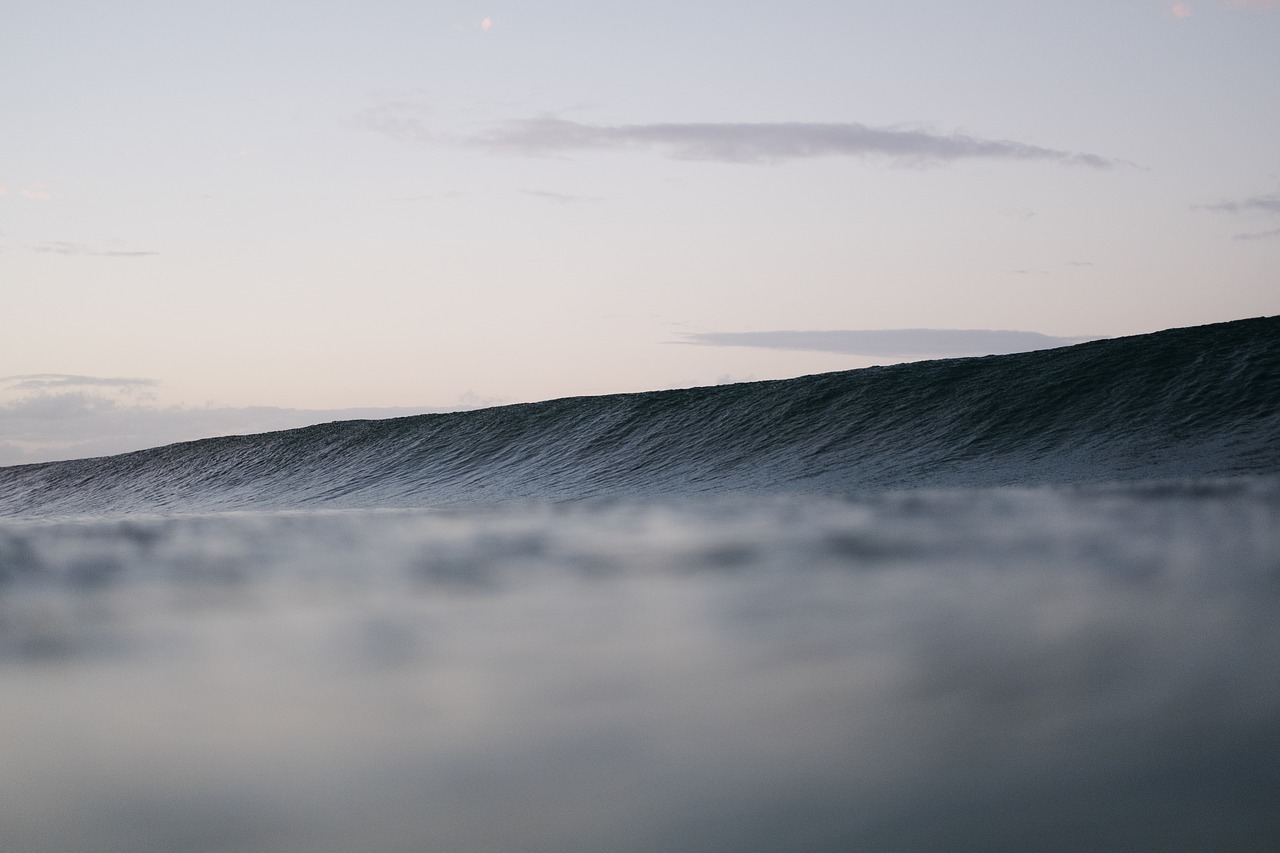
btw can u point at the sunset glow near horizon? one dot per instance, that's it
(406, 206)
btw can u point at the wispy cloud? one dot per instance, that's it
(74, 249)
(888, 342)
(1268, 203)
(402, 120)
(767, 142)
(562, 198)
(1258, 235)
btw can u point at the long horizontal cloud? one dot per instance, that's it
(730, 142)
(889, 342)
(64, 248)
(1268, 203)
(767, 142)
(562, 198)
(64, 381)
(1258, 235)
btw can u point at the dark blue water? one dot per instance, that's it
(1025, 602)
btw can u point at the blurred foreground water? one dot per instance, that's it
(1054, 668)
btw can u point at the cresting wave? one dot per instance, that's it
(1194, 402)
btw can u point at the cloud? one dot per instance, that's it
(767, 142)
(1181, 10)
(761, 142)
(888, 342)
(1258, 235)
(562, 198)
(1268, 203)
(73, 249)
(50, 416)
(58, 381)
(486, 23)
(403, 121)
(79, 425)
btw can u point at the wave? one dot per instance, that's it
(1182, 403)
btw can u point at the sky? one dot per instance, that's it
(242, 216)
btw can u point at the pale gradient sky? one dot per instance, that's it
(211, 207)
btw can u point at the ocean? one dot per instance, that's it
(1017, 602)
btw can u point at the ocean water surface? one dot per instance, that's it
(1018, 602)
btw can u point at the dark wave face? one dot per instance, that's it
(1194, 402)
